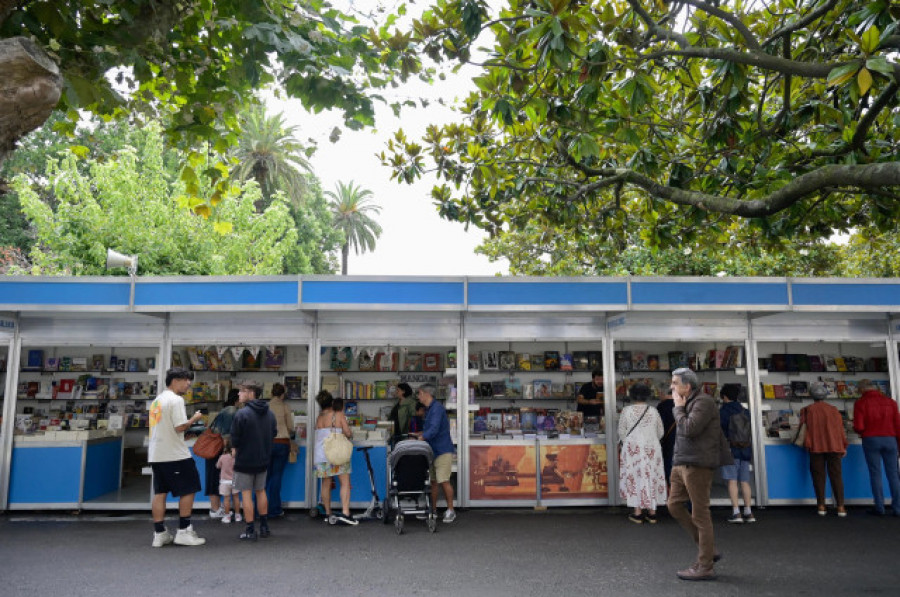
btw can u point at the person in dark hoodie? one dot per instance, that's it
(253, 431)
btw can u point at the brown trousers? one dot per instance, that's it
(817, 463)
(694, 483)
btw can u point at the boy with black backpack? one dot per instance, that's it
(735, 420)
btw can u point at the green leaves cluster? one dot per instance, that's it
(598, 127)
(124, 200)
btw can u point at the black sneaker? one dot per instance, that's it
(349, 520)
(636, 518)
(248, 535)
(735, 519)
(264, 532)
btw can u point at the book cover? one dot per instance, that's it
(779, 362)
(431, 361)
(293, 387)
(677, 359)
(595, 360)
(653, 362)
(511, 422)
(341, 357)
(474, 360)
(768, 391)
(274, 357)
(537, 362)
(551, 360)
(486, 389)
(212, 360)
(97, 362)
(546, 423)
(51, 364)
(542, 388)
(639, 361)
(451, 359)
(803, 362)
(79, 364)
(34, 360)
(412, 361)
(840, 363)
(490, 360)
(134, 365)
(580, 361)
(498, 388)
(523, 361)
(250, 360)
(366, 360)
(387, 361)
(513, 388)
(622, 360)
(528, 420)
(506, 360)
(494, 422)
(815, 363)
(566, 362)
(800, 389)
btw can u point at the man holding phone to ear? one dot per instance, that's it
(696, 457)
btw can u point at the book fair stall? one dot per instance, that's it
(81, 359)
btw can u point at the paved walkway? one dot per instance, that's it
(790, 551)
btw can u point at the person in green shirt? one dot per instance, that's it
(403, 411)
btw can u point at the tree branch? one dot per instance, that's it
(788, 29)
(753, 58)
(729, 18)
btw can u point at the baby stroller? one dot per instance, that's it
(409, 464)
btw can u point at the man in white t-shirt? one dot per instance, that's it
(173, 467)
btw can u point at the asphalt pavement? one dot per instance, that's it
(502, 552)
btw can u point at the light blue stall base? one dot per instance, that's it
(787, 470)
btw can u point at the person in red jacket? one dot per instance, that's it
(877, 419)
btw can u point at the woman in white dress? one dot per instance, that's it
(642, 479)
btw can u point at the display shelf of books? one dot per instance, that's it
(786, 371)
(219, 368)
(75, 388)
(528, 389)
(367, 376)
(652, 363)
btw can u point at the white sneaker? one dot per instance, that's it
(217, 513)
(238, 517)
(188, 536)
(226, 519)
(164, 538)
(449, 515)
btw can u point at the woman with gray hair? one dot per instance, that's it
(826, 442)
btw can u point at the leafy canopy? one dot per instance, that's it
(602, 125)
(124, 201)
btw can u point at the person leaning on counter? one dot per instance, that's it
(590, 396)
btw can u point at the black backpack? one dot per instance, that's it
(739, 435)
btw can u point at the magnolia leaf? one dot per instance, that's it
(80, 150)
(869, 41)
(223, 228)
(842, 74)
(202, 210)
(864, 80)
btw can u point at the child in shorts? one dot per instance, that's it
(225, 464)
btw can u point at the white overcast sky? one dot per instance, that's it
(415, 240)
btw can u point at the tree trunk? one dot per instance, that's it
(345, 253)
(30, 88)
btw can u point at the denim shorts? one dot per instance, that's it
(739, 471)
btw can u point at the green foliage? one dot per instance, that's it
(351, 206)
(124, 201)
(268, 153)
(617, 135)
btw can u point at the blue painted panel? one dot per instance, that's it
(45, 475)
(708, 293)
(787, 470)
(293, 484)
(846, 294)
(64, 293)
(102, 467)
(360, 489)
(216, 293)
(548, 293)
(388, 293)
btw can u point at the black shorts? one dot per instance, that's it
(178, 477)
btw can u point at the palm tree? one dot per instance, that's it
(351, 206)
(268, 152)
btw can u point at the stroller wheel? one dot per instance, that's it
(313, 512)
(432, 523)
(379, 512)
(398, 524)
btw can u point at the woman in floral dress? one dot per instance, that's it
(642, 479)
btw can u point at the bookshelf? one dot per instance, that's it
(520, 388)
(786, 370)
